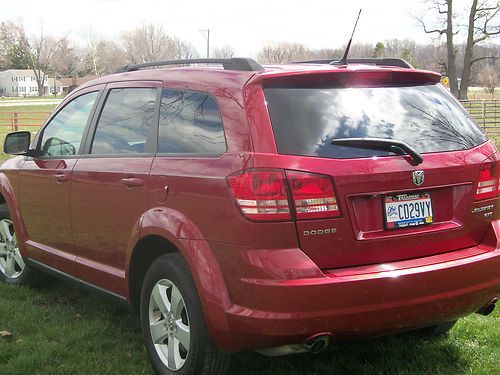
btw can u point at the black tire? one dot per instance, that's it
(437, 330)
(202, 356)
(21, 274)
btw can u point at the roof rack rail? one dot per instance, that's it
(233, 63)
(370, 61)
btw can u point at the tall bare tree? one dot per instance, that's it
(284, 52)
(482, 24)
(480, 28)
(224, 52)
(148, 43)
(103, 57)
(92, 59)
(272, 54)
(151, 43)
(488, 78)
(183, 49)
(41, 53)
(65, 61)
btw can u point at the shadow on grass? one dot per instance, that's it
(107, 335)
(402, 354)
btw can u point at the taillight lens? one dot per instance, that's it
(488, 185)
(261, 194)
(313, 195)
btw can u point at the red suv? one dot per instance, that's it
(273, 208)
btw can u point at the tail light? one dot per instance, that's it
(313, 195)
(488, 185)
(263, 195)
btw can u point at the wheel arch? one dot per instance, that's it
(145, 252)
(163, 230)
(8, 197)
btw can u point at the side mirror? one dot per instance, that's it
(17, 143)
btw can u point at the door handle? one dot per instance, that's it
(61, 177)
(132, 182)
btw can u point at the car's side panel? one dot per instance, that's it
(44, 207)
(104, 214)
(197, 187)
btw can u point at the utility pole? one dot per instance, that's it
(206, 34)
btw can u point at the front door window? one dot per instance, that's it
(63, 135)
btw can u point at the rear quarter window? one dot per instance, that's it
(306, 120)
(190, 123)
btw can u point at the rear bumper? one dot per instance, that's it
(363, 301)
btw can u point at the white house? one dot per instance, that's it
(22, 82)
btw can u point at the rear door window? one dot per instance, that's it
(125, 122)
(428, 118)
(190, 123)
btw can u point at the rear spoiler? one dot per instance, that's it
(347, 77)
(391, 61)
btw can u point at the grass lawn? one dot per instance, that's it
(61, 329)
(28, 108)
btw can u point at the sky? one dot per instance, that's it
(246, 26)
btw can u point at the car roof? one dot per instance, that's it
(201, 76)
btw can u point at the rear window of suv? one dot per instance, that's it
(428, 118)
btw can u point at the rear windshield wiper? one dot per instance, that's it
(398, 147)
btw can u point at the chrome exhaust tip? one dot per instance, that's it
(317, 344)
(314, 344)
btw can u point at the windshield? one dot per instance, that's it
(306, 120)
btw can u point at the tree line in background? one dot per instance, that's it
(61, 57)
(474, 61)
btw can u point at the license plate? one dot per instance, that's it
(408, 210)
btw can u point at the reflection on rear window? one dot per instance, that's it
(305, 120)
(190, 123)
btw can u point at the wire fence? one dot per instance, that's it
(486, 113)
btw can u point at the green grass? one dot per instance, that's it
(61, 329)
(28, 108)
(5, 120)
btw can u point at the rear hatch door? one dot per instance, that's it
(391, 208)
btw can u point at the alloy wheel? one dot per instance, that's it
(169, 324)
(11, 262)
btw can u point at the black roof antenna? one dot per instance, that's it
(343, 60)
